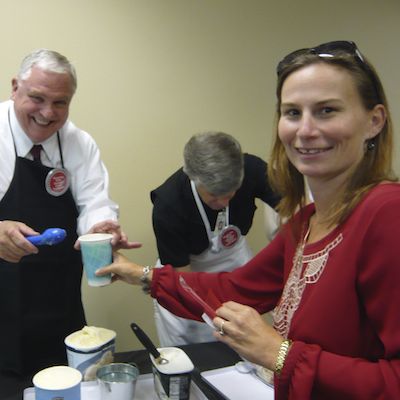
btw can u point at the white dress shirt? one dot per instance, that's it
(89, 180)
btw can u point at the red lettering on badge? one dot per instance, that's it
(58, 182)
(229, 237)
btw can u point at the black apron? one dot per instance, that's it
(40, 297)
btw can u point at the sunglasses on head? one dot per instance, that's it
(323, 50)
(330, 49)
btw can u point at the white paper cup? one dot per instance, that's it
(88, 359)
(59, 382)
(96, 252)
(117, 381)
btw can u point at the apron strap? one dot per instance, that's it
(200, 207)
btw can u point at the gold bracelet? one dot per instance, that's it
(282, 354)
(145, 281)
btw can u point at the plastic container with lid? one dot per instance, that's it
(172, 380)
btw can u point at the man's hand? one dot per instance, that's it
(13, 245)
(119, 240)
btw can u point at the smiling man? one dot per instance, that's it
(63, 184)
(41, 101)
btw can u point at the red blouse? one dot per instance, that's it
(345, 294)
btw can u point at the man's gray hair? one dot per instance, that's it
(214, 160)
(47, 60)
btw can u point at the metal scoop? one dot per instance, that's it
(148, 344)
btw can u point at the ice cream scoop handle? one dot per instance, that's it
(145, 340)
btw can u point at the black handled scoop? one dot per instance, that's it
(148, 344)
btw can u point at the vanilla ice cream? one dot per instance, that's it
(89, 337)
(58, 382)
(56, 378)
(90, 348)
(172, 380)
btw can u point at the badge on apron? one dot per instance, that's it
(229, 236)
(220, 223)
(57, 182)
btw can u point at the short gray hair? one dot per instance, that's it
(47, 60)
(215, 161)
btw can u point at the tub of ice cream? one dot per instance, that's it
(58, 382)
(90, 348)
(172, 379)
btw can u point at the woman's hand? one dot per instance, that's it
(245, 330)
(124, 270)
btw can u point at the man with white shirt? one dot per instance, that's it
(65, 186)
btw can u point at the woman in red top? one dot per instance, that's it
(332, 274)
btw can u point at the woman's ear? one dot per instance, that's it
(377, 120)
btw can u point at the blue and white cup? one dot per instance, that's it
(59, 382)
(96, 252)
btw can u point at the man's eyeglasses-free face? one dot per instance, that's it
(328, 49)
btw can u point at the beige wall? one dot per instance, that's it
(153, 72)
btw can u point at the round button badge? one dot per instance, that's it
(230, 236)
(57, 182)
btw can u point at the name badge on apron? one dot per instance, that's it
(57, 181)
(229, 236)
